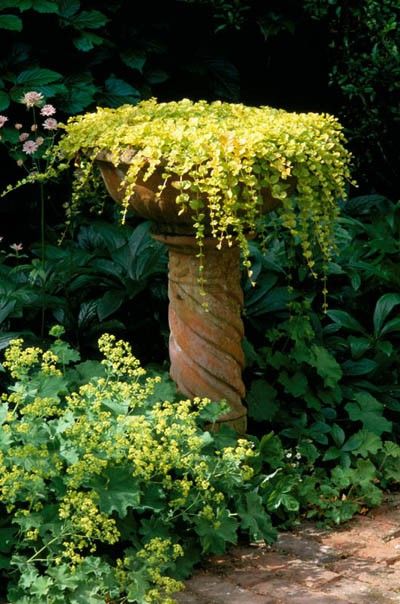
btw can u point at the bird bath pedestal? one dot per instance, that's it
(206, 329)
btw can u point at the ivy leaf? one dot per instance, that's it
(255, 519)
(214, 534)
(261, 402)
(90, 19)
(296, 385)
(11, 22)
(368, 411)
(117, 489)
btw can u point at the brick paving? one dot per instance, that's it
(358, 563)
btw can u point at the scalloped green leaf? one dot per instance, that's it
(90, 19)
(37, 77)
(11, 22)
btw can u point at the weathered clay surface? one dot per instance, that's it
(205, 343)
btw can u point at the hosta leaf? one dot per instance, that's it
(358, 346)
(109, 303)
(361, 367)
(345, 320)
(391, 326)
(11, 22)
(383, 307)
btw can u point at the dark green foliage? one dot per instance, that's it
(101, 280)
(364, 38)
(329, 385)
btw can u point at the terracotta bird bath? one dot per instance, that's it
(206, 329)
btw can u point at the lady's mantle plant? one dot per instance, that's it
(223, 158)
(107, 493)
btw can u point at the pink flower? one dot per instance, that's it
(50, 124)
(3, 120)
(17, 247)
(23, 137)
(40, 140)
(20, 162)
(29, 147)
(47, 110)
(33, 127)
(18, 126)
(32, 99)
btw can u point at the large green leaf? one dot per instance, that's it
(368, 410)
(391, 326)
(345, 320)
(45, 6)
(4, 100)
(109, 303)
(87, 41)
(90, 19)
(135, 59)
(117, 489)
(383, 307)
(214, 539)
(36, 77)
(326, 365)
(11, 22)
(296, 384)
(360, 367)
(261, 401)
(255, 519)
(118, 91)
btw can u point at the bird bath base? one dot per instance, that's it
(206, 327)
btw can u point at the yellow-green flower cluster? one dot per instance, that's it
(81, 465)
(222, 158)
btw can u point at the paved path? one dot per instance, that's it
(358, 563)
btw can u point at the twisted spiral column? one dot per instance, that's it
(205, 344)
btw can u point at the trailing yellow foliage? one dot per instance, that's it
(224, 156)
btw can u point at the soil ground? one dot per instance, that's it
(357, 563)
